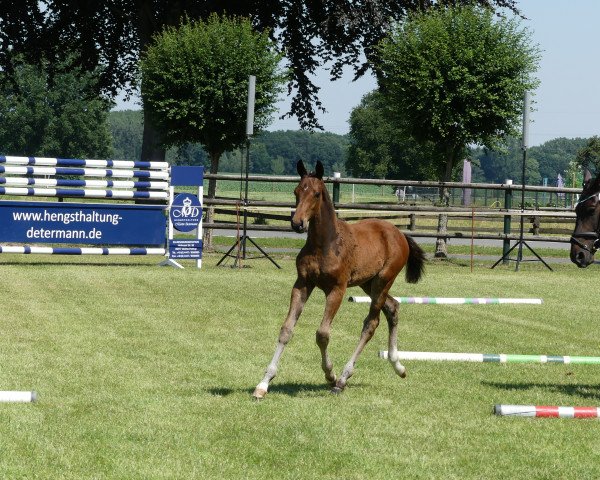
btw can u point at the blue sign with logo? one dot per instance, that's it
(186, 212)
(83, 223)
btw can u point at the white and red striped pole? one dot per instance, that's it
(546, 411)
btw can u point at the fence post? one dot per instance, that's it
(336, 188)
(507, 206)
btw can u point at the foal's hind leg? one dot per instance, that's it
(390, 310)
(333, 302)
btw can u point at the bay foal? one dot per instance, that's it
(337, 255)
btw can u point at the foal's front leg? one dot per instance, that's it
(300, 293)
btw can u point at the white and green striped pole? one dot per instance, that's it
(493, 358)
(456, 300)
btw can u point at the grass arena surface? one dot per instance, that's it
(147, 373)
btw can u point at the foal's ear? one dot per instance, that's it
(587, 177)
(319, 170)
(301, 169)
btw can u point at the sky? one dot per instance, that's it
(566, 104)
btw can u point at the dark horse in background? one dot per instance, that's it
(337, 255)
(585, 239)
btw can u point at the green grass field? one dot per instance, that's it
(147, 373)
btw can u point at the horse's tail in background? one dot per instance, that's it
(415, 266)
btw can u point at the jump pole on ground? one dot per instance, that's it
(9, 396)
(493, 357)
(456, 300)
(546, 411)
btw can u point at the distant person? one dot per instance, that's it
(401, 194)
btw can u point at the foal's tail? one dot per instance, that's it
(415, 266)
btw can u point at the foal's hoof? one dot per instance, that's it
(336, 390)
(400, 370)
(259, 394)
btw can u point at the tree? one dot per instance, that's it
(379, 149)
(292, 145)
(588, 157)
(195, 85)
(126, 129)
(457, 76)
(114, 33)
(554, 156)
(506, 162)
(543, 161)
(58, 117)
(283, 148)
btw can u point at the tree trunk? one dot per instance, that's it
(441, 247)
(148, 25)
(441, 243)
(152, 148)
(212, 190)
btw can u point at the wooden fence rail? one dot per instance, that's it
(541, 224)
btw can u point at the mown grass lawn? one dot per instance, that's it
(146, 372)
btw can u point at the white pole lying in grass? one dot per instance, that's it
(456, 301)
(18, 397)
(493, 357)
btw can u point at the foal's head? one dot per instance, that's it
(586, 236)
(309, 196)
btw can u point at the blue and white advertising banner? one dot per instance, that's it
(85, 223)
(185, 249)
(186, 212)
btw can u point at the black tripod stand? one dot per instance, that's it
(240, 243)
(506, 257)
(520, 243)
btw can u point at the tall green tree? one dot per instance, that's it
(195, 84)
(378, 148)
(457, 76)
(114, 33)
(62, 116)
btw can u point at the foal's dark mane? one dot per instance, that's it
(326, 196)
(328, 211)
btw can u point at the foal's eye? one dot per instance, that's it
(317, 194)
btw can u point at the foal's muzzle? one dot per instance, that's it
(298, 227)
